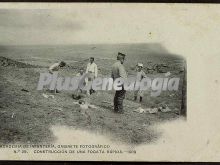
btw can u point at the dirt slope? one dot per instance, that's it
(26, 116)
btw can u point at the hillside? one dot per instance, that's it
(27, 116)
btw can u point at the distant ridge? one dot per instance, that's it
(86, 50)
(5, 62)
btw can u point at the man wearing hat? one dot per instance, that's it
(139, 76)
(118, 71)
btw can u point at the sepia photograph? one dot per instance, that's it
(94, 81)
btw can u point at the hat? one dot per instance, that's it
(121, 54)
(140, 64)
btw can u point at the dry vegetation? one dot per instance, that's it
(26, 116)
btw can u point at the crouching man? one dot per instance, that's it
(118, 71)
(54, 68)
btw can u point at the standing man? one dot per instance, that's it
(118, 71)
(92, 71)
(79, 93)
(140, 75)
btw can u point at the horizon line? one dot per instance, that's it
(121, 43)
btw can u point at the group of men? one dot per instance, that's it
(118, 71)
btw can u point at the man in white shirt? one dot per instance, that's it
(92, 71)
(54, 68)
(140, 75)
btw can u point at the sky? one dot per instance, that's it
(171, 25)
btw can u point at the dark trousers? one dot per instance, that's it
(118, 100)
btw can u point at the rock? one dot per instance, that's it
(76, 97)
(164, 108)
(152, 110)
(59, 109)
(140, 110)
(25, 90)
(45, 95)
(167, 74)
(167, 109)
(164, 65)
(48, 96)
(81, 101)
(92, 106)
